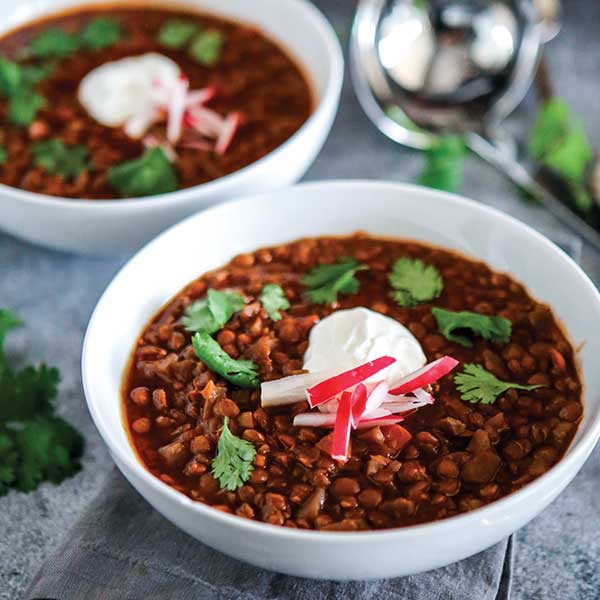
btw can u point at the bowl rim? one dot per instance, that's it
(331, 92)
(566, 468)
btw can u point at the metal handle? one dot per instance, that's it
(521, 177)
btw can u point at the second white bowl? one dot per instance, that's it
(108, 227)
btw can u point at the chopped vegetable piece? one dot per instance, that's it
(289, 390)
(3, 155)
(211, 314)
(320, 393)
(559, 142)
(359, 403)
(176, 33)
(476, 384)
(34, 444)
(176, 109)
(414, 282)
(57, 158)
(495, 329)
(424, 376)
(325, 282)
(53, 43)
(273, 300)
(23, 107)
(396, 435)
(152, 173)
(326, 420)
(444, 164)
(230, 126)
(100, 33)
(242, 373)
(10, 77)
(206, 47)
(232, 465)
(341, 428)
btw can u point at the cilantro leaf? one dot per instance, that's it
(476, 384)
(23, 106)
(10, 77)
(414, 282)
(49, 449)
(232, 465)
(495, 329)
(242, 373)
(34, 443)
(3, 155)
(16, 84)
(559, 142)
(176, 33)
(151, 173)
(273, 300)
(53, 43)
(325, 282)
(100, 33)
(58, 158)
(211, 314)
(206, 47)
(444, 164)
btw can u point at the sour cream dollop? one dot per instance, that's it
(348, 338)
(117, 91)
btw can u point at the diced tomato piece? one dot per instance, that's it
(396, 437)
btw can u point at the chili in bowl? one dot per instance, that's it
(312, 388)
(174, 106)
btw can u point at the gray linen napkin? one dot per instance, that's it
(122, 549)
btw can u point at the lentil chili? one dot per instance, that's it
(254, 78)
(461, 455)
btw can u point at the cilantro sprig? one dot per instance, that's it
(209, 315)
(232, 465)
(476, 384)
(58, 158)
(151, 173)
(176, 33)
(273, 300)
(56, 43)
(414, 282)
(444, 164)
(495, 329)
(35, 444)
(325, 282)
(206, 47)
(17, 85)
(559, 142)
(3, 155)
(242, 373)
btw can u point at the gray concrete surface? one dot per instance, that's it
(558, 554)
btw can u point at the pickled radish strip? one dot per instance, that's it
(380, 422)
(359, 403)
(230, 127)
(317, 394)
(289, 390)
(425, 376)
(176, 109)
(377, 396)
(341, 428)
(200, 97)
(318, 419)
(423, 396)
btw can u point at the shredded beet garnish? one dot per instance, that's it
(329, 388)
(425, 376)
(341, 428)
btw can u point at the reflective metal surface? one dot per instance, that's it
(425, 67)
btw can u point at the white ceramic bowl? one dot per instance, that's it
(210, 239)
(123, 225)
